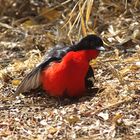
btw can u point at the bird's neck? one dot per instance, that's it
(89, 54)
(83, 55)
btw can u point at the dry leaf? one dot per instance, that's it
(116, 117)
(135, 66)
(43, 122)
(136, 34)
(93, 62)
(104, 115)
(124, 71)
(52, 130)
(5, 77)
(49, 13)
(28, 23)
(15, 82)
(5, 133)
(73, 119)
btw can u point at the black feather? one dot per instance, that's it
(90, 75)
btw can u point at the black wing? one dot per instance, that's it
(89, 79)
(32, 80)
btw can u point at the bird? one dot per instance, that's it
(65, 71)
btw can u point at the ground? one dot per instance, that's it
(112, 111)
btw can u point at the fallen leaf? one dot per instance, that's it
(104, 115)
(52, 130)
(73, 119)
(50, 14)
(15, 82)
(135, 66)
(136, 34)
(116, 117)
(125, 71)
(28, 23)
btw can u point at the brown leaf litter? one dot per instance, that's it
(113, 112)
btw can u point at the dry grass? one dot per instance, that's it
(113, 112)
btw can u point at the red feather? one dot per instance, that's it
(68, 76)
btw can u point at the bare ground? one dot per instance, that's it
(111, 112)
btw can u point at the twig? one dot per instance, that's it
(5, 25)
(117, 104)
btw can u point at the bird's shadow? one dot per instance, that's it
(42, 99)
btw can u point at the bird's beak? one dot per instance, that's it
(100, 48)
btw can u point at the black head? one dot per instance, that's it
(90, 42)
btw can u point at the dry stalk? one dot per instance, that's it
(119, 76)
(110, 107)
(78, 20)
(116, 74)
